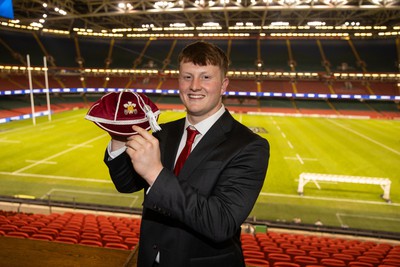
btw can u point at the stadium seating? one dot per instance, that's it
(262, 249)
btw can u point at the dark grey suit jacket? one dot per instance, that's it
(195, 219)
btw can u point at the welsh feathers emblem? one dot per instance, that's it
(130, 108)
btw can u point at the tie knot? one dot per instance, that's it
(191, 133)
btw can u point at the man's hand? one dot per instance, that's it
(144, 151)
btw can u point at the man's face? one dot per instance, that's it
(200, 89)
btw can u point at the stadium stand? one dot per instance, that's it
(103, 240)
(265, 247)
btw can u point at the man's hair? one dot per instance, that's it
(203, 53)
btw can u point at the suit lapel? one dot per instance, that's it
(171, 144)
(210, 141)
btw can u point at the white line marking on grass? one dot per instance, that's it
(9, 141)
(290, 144)
(299, 158)
(366, 137)
(283, 134)
(43, 162)
(87, 146)
(380, 218)
(30, 126)
(56, 177)
(59, 154)
(328, 199)
(49, 193)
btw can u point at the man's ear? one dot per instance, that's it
(224, 86)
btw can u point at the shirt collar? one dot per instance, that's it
(206, 124)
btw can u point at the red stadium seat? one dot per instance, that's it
(393, 256)
(344, 257)
(251, 247)
(17, 234)
(29, 230)
(65, 239)
(253, 254)
(360, 264)
(374, 261)
(256, 262)
(42, 237)
(8, 228)
(285, 264)
(272, 249)
(49, 231)
(319, 255)
(278, 257)
(333, 263)
(391, 261)
(126, 233)
(108, 231)
(287, 246)
(72, 227)
(303, 261)
(354, 252)
(375, 254)
(330, 250)
(116, 246)
(309, 248)
(92, 243)
(90, 229)
(70, 233)
(91, 236)
(111, 239)
(131, 242)
(295, 252)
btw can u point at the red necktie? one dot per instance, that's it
(191, 134)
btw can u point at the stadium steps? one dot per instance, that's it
(260, 248)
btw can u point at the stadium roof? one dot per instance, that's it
(230, 15)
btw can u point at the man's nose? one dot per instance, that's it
(196, 84)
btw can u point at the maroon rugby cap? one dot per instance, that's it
(116, 112)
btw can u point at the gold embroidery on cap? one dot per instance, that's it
(130, 108)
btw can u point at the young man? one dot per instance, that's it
(194, 217)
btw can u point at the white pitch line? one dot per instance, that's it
(135, 198)
(56, 177)
(10, 141)
(340, 215)
(30, 126)
(290, 144)
(87, 193)
(299, 158)
(46, 162)
(366, 137)
(59, 154)
(368, 217)
(329, 199)
(87, 146)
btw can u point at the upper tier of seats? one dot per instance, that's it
(375, 55)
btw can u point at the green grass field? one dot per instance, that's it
(63, 159)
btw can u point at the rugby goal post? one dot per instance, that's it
(306, 177)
